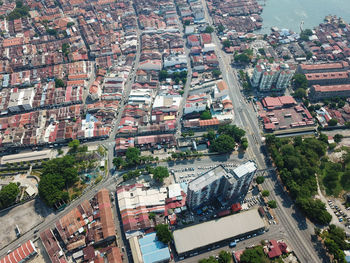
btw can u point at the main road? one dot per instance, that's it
(298, 230)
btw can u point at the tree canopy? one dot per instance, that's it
(300, 81)
(57, 175)
(209, 30)
(334, 240)
(8, 194)
(159, 173)
(20, 11)
(332, 122)
(298, 161)
(59, 83)
(163, 233)
(260, 179)
(205, 115)
(254, 255)
(223, 144)
(265, 193)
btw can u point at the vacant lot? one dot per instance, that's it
(26, 216)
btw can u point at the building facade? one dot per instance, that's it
(318, 92)
(220, 183)
(271, 76)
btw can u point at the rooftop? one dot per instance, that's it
(213, 231)
(153, 250)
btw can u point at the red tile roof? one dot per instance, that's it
(345, 87)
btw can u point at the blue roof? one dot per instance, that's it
(347, 258)
(153, 250)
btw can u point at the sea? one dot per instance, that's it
(290, 13)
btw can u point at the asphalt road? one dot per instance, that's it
(52, 218)
(299, 232)
(187, 85)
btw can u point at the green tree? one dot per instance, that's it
(206, 115)
(159, 173)
(57, 174)
(163, 233)
(265, 193)
(233, 131)
(132, 156)
(8, 194)
(332, 122)
(20, 11)
(254, 255)
(226, 43)
(242, 58)
(65, 49)
(299, 81)
(272, 204)
(260, 179)
(224, 257)
(73, 146)
(305, 34)
(119, 162)
(70, 24)
(51, 31)
(210, 135)
(338, 137)
(163, 74)
(209, 30)
(300, 93)
(223, 144)
(59, 83)
(244, 143)
(211, 259)
(216, 73)
(151, 215)
(221, 28)
(187, 22)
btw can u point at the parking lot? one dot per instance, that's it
(25, 216)
(341, 212)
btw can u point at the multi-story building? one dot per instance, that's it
(324, 67)
(22, 100)
(271, 76)
(220, 183)
(318, 92)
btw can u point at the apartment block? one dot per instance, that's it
(220, 183)
(271, 76)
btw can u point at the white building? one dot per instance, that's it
(167, 103)
(21, 100)
(174, 60)
(271, 76)
(209, 47)
(140, 96)
(151, 65)
(219, 182)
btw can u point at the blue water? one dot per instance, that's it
(289, 13)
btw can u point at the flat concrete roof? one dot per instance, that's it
(26, 157)
(213, 231)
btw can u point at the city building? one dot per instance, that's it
(23, 253)
(271, 76)
(328, 78)
(318, 92)
(324, 67)
(82, 231)
(221, 184)
(152, 250)
(21, 100)
(284, 115)
(220, 231)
